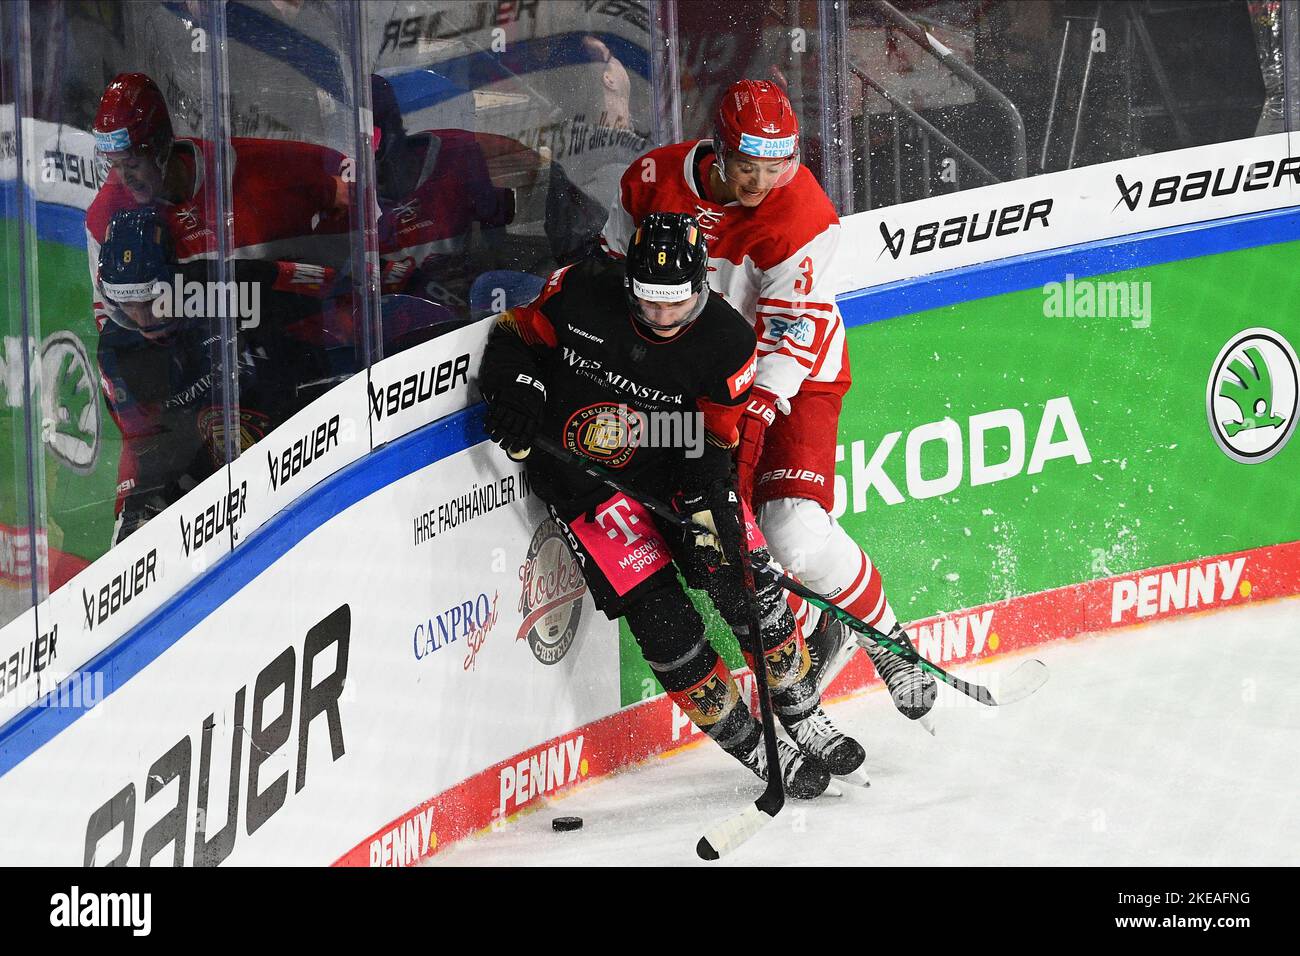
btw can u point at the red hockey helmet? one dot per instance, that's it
(133, 117)
(755, 118)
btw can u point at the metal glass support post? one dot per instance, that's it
(225, 350)
(665, 73)
(1056, 95)
(1291, 62)
(17, 31)
(836, 121)
(364, 256)
(1083, 90)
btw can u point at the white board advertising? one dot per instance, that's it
(1062, 209)
(117, 591)
(432, 629)
(114, 594)
(313, 444)
(427, 382)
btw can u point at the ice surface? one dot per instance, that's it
(1171, 744)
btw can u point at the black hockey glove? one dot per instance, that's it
(515, 415)
(137, 511)
(716, 508)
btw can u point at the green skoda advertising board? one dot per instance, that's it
(1089, 428)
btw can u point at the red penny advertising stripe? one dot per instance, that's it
(645, 729)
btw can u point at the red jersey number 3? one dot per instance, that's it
(804, 284)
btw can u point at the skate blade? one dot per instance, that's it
(833, 790)
(927, 722)
(857, 778)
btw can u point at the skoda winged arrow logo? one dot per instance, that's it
(70, 403)
(1253, 395)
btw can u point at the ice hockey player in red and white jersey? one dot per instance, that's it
(772, 235)
(286, 196)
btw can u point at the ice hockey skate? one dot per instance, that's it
(818, 737)
(913, 691)
(804, 777)
(830, 649)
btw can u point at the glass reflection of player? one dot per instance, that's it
(600, 144)
(156, 368)
(286, 196)
(433, 189)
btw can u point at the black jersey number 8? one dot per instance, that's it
(663, 257)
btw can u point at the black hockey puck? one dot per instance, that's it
(566, 823)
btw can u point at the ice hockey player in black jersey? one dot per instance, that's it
(637, 366)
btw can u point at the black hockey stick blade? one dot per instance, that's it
(724, 837)
(1026, 679)
(1015, 686)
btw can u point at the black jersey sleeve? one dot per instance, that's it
(520, 339)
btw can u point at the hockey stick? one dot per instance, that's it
(725, 836)
(1019, 684)
(728, 834)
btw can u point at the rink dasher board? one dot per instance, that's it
(490, 798)
(350, 712)
(159, 700)
(117, 592)
(1067, 208)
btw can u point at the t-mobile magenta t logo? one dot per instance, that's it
(618, 518)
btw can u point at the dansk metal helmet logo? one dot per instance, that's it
(1253, 395)
(551, 592)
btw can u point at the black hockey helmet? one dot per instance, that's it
(667, 261)
(390, 131)
(137, 256)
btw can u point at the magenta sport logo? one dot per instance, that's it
(1253, 395)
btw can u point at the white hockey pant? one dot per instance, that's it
(812, 546)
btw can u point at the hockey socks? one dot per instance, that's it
(713, 705)
(831, 563)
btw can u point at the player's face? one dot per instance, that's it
(139, 173)
(664, 316)
(142, 317)
(752, 179)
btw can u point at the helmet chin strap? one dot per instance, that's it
(719, 158)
